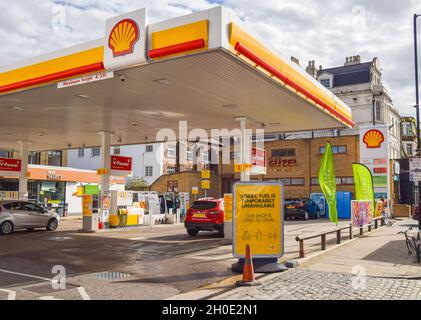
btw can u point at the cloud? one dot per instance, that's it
(325, 31)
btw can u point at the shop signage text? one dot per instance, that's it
(258, 219)
(85, 79)
(12, 165)
(52, 175)
(279, 162)
(121, 163)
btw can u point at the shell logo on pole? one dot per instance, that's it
(373, 139)
(123, 37)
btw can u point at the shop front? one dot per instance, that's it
(55, 188)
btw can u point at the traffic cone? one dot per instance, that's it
(248, 270)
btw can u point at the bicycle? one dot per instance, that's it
(412, 243)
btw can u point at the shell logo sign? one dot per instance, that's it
(373, 139)
(123, 37)
(125, 40)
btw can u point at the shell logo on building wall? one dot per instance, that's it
(373, 139)
(123, 37)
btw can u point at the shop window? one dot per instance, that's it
(117, 150)
(277, 153)
(149, 148)
(148, 171)
(81, 152)
(96, 152)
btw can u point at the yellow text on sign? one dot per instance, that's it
(205, 174)
(102, 171)
(242, 167)
(258, 220)
(205, 184)
(87, 205)
(228, 207)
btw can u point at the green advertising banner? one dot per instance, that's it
(328, 182)
(363, 183)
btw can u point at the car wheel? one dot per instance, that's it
(192, 232)
(318, 215)
(52, 225)
(221, 233)
(6, 228)
(305, 215)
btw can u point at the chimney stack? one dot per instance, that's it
(311, 69)
(352, 60)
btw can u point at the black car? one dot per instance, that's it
(302, 208)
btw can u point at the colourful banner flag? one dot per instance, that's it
(328, 182)
(363, 180)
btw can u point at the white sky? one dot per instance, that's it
(323, 30)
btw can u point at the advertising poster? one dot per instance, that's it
(228, 207)
(362, 212)
(258, 219)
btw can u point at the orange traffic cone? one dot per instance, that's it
(248, 270)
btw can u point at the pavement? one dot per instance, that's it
(131, 263)
(163, 262)
(374, 266)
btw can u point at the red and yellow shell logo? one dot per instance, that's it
(373, 139)
(123, 37)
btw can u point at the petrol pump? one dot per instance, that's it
(90, 207)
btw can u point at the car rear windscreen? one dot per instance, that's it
(203, 205)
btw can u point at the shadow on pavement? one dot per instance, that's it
(394, 252)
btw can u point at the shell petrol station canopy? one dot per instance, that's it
(202, 68)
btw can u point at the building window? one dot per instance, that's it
(205, 157)
(315, 181)
(290, 181)
(378, 111)
(148, 171)
(325, 82)
(149, 148)
(117, 150)
(277, 153)
(34, 158)
(409, 150)
(54, 158)
(347, 180)
(171, 170)
(96, 152)
(5, 154)
(171, 152)
(81, 152)
(235, 155)
(335, 150)
(189, 155)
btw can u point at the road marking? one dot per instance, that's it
(11, 294)
(49, 298)
(83, 293)
(25, 275)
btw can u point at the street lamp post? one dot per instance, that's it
(417, 101)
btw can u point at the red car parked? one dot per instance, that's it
(206, 214)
